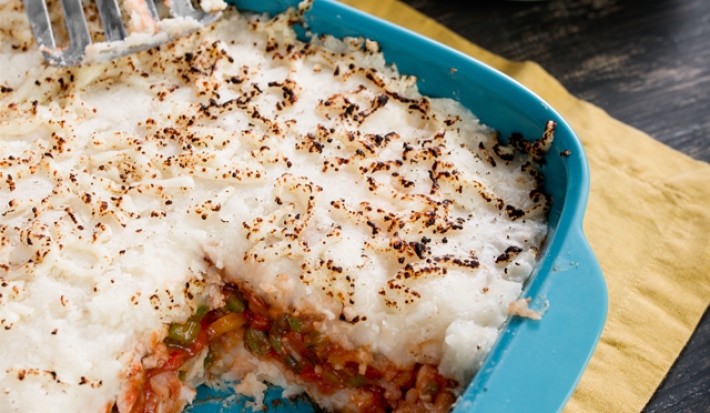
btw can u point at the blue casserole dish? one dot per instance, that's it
(535, 365)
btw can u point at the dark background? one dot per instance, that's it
(647, 63)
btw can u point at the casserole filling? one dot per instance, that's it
(309, 358)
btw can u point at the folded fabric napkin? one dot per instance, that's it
(648, 221)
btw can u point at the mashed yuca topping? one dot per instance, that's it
(313, 178)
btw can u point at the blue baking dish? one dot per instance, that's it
(535, 365)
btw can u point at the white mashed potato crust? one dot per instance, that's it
(317, 177)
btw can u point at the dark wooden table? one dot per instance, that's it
(647, 63)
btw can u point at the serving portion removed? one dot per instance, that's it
(242, 208)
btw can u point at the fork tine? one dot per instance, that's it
(184, 8)
(111, 19)
(76, 27)
(39, 21)
(152, 9)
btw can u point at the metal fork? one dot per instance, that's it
(112, 22)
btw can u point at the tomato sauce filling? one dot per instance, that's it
(316, 363)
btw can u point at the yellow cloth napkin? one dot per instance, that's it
(648, 221)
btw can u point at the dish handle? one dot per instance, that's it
(537, 364)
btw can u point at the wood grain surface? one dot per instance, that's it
(647, 63)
